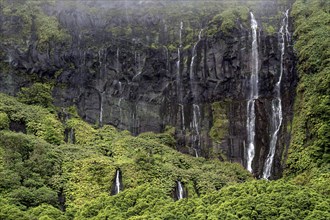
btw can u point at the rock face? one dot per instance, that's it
(139, 81)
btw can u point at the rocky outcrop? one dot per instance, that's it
(137, 80)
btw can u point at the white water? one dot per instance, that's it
(117, 67)
(71, 136)
(139, 67)
(120, 110)
(277, 102)
(196, 152)
(196, 128)
(181, 27)
(182, 116)
(101, 108)
(117, 188)
(167, 58)
(253, 95)
(194, 54)
(180, 191)
(120, 87)
(196, 117)
(178, 78)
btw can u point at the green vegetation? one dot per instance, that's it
(38, 169)
(311, 125)
(220, 122)
(37, 94)
(33, 21)
(35, 174)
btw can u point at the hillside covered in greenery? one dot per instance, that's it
(56, 166)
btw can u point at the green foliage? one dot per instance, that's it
(227, 20)
(47, 28)
(251, 200)
(4, 121)
(311, 124)
(37, 94)
(269, 29)
(29, 166)
(37, 120)
(220, 122)
(84, 132)
(37, 167)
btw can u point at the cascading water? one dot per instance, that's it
(101, 108)
(117, 182)
(139, 66)
(179, 190)
(117, 60)
(253, 95)
(181, 27)
(71, 136)
(182, 116)
(194, 54)
(195, 127)
(120, 110)
(178, 79)
(276, 120)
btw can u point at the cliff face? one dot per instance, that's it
(157, 70)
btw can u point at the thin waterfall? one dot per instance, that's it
(194, 54)
(139, 66)
(120, 87)
(167, 58)
(117, 59)
(117, 182)
(120, 110)
(196, 152)
(196, 128)
(253, 95)
(276, 120)
(71, 136)
(179, 190)
(195, 137)
(180, 33)
(182, 116)
(178, 79)
(101, 108)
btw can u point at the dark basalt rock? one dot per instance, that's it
(140, 87)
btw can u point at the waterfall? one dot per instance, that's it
(101, 108)
(117, 57)
(120, 110)
(167, 58)
(180, 33)
(196, 152)
(139, 67)
(253, 95)
(182, 116)
(196, 116)
(196, 128)
(179, 190)
(178, 87)
(71, 136)
(117, 182)
(276, 120)
(178, 68)
(194, 54)
(120, 87)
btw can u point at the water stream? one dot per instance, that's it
(179, 190)
(276, 120)
(253, 95)
(117, 182)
